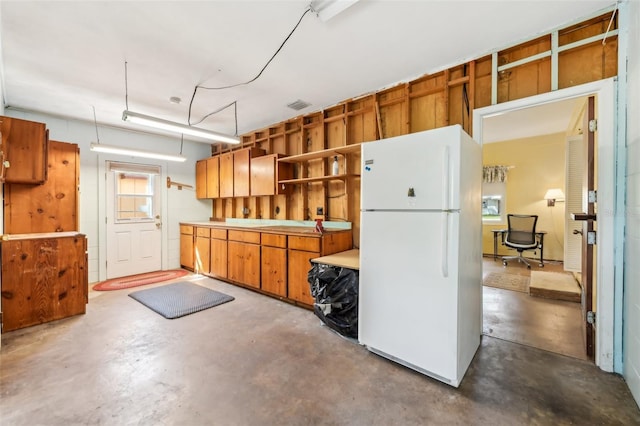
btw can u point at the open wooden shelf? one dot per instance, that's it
(301, 158)
(318, 179)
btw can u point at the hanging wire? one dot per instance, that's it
(181, 143)
(126, 88)
(195, 90)
(95, 122)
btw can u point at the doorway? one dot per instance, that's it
(605, 91)
(133, 220)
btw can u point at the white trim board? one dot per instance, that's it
(608, 218)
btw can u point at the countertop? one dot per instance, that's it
(349, 259)
(273, 229)
(14, 237)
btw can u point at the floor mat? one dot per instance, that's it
(179, 299)
(507, 281)
(139, 279)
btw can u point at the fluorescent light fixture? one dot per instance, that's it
(159, 123)
(327, 9)
(112, 149)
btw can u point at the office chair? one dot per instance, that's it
(521, 235)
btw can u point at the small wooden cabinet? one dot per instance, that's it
(219, 257)
(44, 278)
(201, 179)
(265, 173)
(186, 247)
(226, 175)
(213, 177)
(242, 170)
(25, 147)
(202, 247)
(244, 257)
(274, 264)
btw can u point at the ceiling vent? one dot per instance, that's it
(298, 105)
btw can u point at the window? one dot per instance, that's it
(134, 196)
(494, 202)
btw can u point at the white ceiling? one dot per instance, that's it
(63, 57)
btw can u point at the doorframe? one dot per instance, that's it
(102, 208)
(610, 218)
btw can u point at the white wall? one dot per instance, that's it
(631, 319)
(181, 205)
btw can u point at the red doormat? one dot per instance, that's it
(140, 279)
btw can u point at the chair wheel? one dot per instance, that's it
(528, 266)
(504, 263)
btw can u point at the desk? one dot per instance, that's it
(501, 232)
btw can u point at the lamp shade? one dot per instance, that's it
(554, 194)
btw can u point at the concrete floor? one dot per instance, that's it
(260, 361)
(552, 325)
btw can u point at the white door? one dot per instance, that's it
(134, 226)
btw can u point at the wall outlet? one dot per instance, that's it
(319, 210)
(245, 210)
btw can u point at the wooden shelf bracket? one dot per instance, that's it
(171, 183)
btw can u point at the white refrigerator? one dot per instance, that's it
(420, 295)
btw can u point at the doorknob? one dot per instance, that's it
(158, 225)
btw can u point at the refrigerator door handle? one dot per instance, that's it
(445, 174)
(445, 244)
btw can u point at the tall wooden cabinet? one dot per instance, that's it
(44, 278)
(23, 152)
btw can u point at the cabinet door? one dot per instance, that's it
(263, 175)
(202, 255)
(213, 177)
(298, 286)
(201, 179)
(25, 145)
(226, 175)
(244, 263)
(218, 258)
(241, 173)
(186, 250)
(274, 270)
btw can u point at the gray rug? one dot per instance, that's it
(179, 299)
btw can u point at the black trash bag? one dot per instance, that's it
(335, 290)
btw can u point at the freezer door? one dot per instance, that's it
(418, 171)
(408, 288)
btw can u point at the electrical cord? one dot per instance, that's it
(195, 90)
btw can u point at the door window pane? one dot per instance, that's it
(134, 196)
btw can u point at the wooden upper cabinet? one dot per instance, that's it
(25, 148)
(242, 170)
(201, 179)
(226, 175)
(213, 177)
(265, 173)
(51, 206)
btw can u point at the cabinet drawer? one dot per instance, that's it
(274, 240)
(203, 232)
(186, 229)
(220, 234)
(244, 236)
(304, 243)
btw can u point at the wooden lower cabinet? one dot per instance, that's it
(218, 251)
(274, 270)
(299, 265)
(186, 247)
(43, 279)
(276, 263)
(244, 263)
(202, 255)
